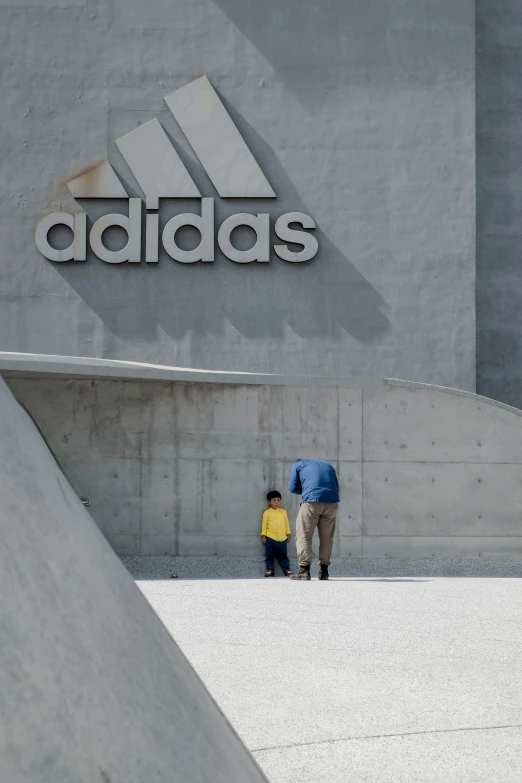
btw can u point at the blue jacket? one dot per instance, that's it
(315, 480)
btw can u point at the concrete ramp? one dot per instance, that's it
(92, 686)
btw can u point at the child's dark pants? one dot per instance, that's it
(276, 549)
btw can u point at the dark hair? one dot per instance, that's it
(273, 494)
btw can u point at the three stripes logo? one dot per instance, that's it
(160, 173)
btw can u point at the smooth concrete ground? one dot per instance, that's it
(394, 679)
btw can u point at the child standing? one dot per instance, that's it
(275, 532)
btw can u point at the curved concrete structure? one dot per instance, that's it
(92, 687)
(178, 461)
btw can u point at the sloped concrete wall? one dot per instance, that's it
(92, 687)
(182, 467)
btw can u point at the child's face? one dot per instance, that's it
(275, 502)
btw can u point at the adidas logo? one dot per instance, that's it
(160, 173)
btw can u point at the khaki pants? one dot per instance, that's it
(323, 517)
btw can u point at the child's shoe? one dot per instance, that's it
(287, 572)
(270, 572)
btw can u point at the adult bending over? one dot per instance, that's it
(316, 481)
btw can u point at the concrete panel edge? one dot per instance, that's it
(18, 364)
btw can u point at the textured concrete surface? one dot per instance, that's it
(186, 567)
(361, 114)
(363, 680)
(499, 199)
(92, 687)
(183, 468)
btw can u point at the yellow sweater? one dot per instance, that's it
(275, 524)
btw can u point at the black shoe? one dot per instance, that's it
(323, 573)
(303, 574)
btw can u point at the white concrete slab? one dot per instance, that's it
(428, 758)
(153, 160)
(362, 680)
(217, 142)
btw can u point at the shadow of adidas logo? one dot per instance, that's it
(160, 173)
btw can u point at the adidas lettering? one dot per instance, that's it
(204, 223)
(160, 173)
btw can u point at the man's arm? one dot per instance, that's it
(294, 483)
(336, 482)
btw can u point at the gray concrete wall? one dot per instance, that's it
(174, 467)
(499, 200)
(361, 114)
(93, 689)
